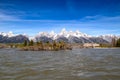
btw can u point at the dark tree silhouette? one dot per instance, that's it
(25, 43)
(118, 43)
(31, 43)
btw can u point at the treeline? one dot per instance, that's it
(37, 46)
(115, 43)
(118, 43)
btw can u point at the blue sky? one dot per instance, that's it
(94, 17)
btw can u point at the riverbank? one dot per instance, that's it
(56, 46)
(38, 48)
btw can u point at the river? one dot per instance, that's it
(77, 64)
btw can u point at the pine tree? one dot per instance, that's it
(48, 43)
(54, 45)
(38, 43)
(31, 43)
(118, 43)
(25, 43)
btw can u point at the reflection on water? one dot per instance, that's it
(79, 64)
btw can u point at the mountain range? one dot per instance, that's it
(66, 36)
(12, 38)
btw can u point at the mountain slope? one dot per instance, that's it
(109, 37)
(13, 39)
(66, 36)
(69, 37)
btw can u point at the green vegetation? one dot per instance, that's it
(118, 43)
(105, 45)
(25, 43)
(37, 46)
(52, 46)
(31, 43)
(115, 43)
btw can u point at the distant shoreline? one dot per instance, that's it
(19, 49)
(54, 46)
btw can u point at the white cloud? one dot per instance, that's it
(92, 25)
(101, 19)
(5, 17)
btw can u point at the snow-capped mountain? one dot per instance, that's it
(109, 37)
(9, 34)
(12, 38)
(63, 33)
(68, 36)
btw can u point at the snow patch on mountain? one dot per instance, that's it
(64, 35)
(71, 33)
(9, 34)
(109, 37)
(68, 36)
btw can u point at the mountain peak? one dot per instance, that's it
(68, 36)
(109, 37)
(63, 30)
(9, 34)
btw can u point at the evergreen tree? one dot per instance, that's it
(54, 45)
(31, 43)
(38, 43)
(118, 43)
(48, 42)
(25, 43)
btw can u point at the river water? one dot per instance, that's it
(77, 64)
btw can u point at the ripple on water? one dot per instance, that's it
(78, 64)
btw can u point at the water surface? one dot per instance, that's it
(77, 64)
